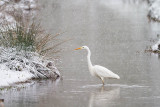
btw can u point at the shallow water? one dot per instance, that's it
(117, 33)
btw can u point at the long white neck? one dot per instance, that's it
(89, 58)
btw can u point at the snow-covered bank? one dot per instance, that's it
(8, 77)
(20, 66)
(154, 10)
(17, 65)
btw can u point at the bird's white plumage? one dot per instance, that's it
(97, 70)
(104, 72)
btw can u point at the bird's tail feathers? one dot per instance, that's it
(117, 77)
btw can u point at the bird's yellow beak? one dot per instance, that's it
(78, 48)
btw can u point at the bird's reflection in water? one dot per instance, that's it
(104, 96)
(1, 102)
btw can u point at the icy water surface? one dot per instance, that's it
(117, 32)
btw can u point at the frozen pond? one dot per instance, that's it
(117, 32)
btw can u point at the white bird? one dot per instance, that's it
(97, 70)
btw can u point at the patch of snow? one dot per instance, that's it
(9, 9)
(28, 4)
(2, 3)
(156, 47)
(154, 9)
(9, 77)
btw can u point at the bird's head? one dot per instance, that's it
(83, 47)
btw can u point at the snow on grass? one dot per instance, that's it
(154, 10)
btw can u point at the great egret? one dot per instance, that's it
(97, 70)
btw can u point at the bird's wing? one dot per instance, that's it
(104, 72)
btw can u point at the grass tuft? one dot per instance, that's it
(19, 37)
(28, 37)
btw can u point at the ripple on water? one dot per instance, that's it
(116, 85)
